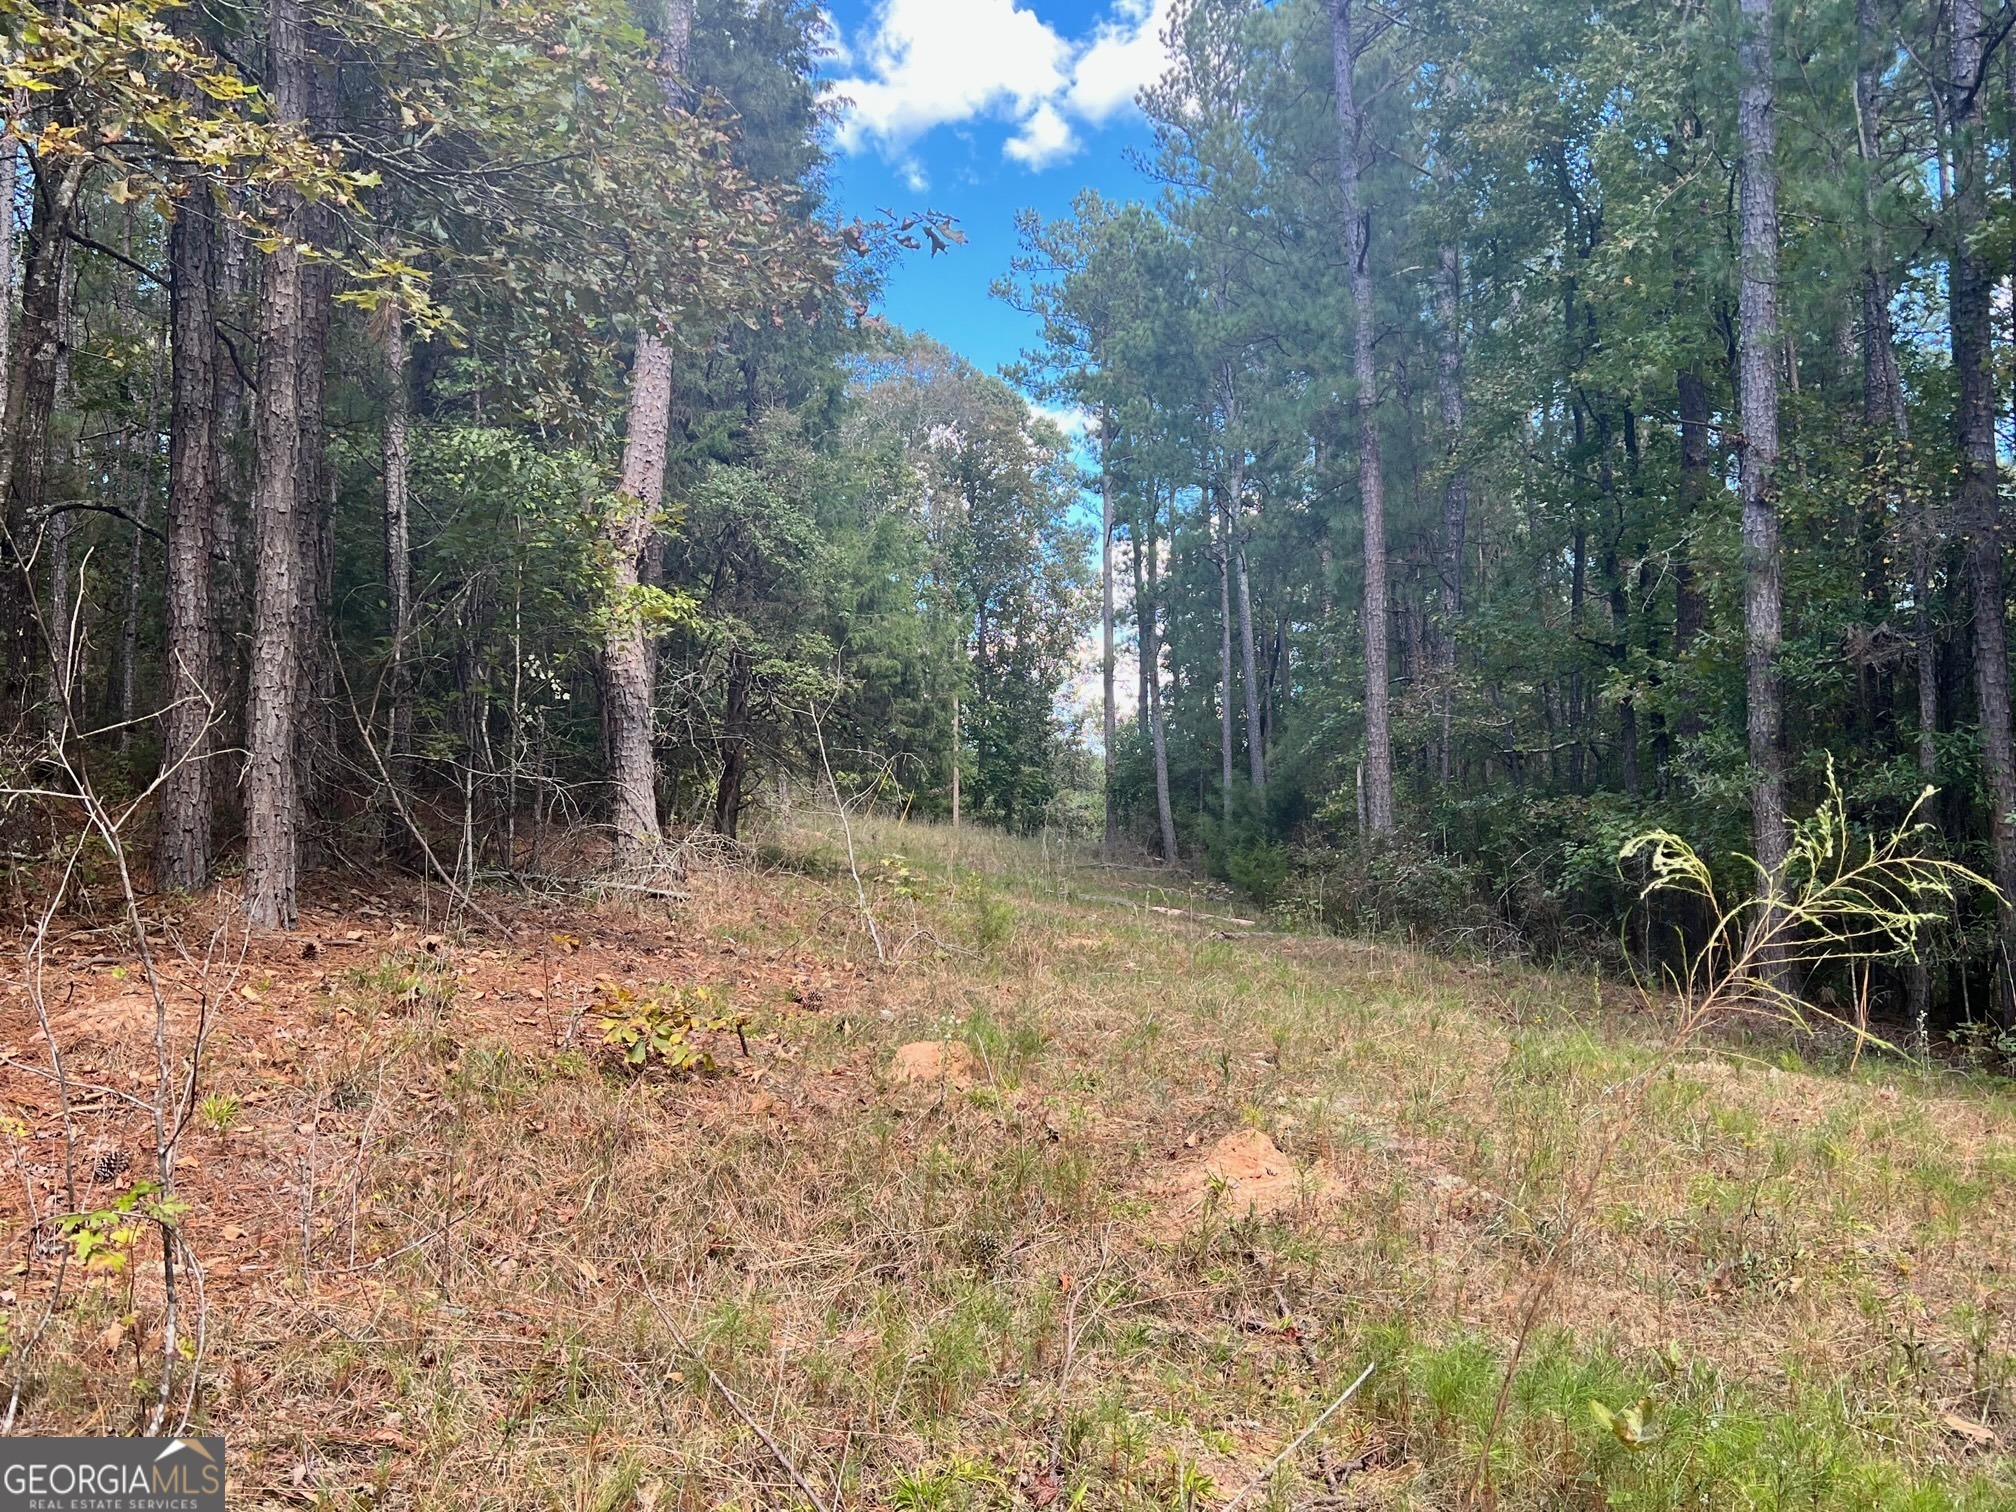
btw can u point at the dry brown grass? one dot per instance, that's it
(455, 1258)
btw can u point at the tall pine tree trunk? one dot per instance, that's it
(398, 555)
(1883, 411)
(272, 770)
(1235, 542)
(229, 492)
(1225, 658)
(1146, 615)
(1371, 479)
(124, 684)
(10, 158)
(627, 660)
(1456, 489)
(1758, 349)
(633, 769)
(39, 355)
(315, 517)
(182, 854)
(1979, 504)
(1111, 726)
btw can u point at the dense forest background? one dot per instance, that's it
(434, 429)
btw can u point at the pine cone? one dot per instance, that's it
(110, 1166)
(986, 1249)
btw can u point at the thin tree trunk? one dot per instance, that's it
(1690, 610)
(1147, 608)
(230, 488)
(1235, 540)
(1371, 480)
(10, 160)
(1111, 728)
(182, 854)
(398, 554)
(1758, 344)
(1256, 734)
(272, 771)
(628, 662)
(316, 510)
(1578, 593)
(1980, 507)
(39, 356)
(1225, 659)
(65, 627)
(129, 610)
(734, 748)
(1456, 490)
(626, 659)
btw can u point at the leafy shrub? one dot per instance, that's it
(641, 1027)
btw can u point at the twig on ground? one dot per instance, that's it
(1300, 1439)
(776, 1450)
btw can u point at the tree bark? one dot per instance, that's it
(39, 356)
(1111, 726)
(626, 658)
(315, 515)
(272, 770)
(628, 663)
(1235, 541)
(136, 547)
(1371, 479)
(182, 853)
(1147, 614)
(398, 554)
(10, 157)
(734, 747)
(1249, 671)
(1225, 659)
(1456, 489)
(230, 488)
(64, 626)
(1980, 507)
(1758, 346)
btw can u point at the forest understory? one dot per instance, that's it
(994, 1177)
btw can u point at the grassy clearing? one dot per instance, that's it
(456, 1257)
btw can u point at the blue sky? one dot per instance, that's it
(980, 108)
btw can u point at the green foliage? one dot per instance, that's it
(640, 1027)
(102, 1241)
(993, 921)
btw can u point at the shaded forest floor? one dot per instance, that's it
(1161, 1187)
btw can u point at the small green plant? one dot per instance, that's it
(101, 1242)
(902, 880)
(642, 1027)
(219, 1111)
(993, 922)
(942, 1487)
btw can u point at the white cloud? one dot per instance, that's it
(931, 63)
(1045, 138)
(1125, 54)
(921, 64)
